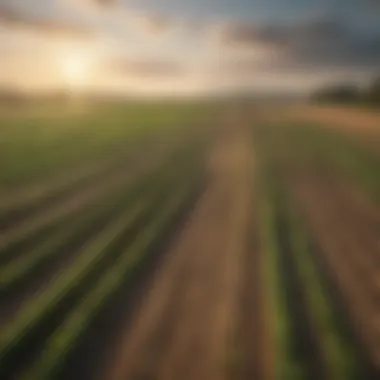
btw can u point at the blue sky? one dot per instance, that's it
(178, 46)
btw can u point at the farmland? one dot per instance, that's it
(187, 241)
(322, 218)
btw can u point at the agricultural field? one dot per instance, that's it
(321, 224)
(187, 241)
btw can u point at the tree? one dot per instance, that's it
(340, 93)
(374, 92)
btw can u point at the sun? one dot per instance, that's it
(76, 70)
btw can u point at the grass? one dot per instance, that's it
(111, 237)
(14, 244)
(312, 147)
(63, 340)
(66, 283)
(77, 226)
(91, 258)
(288, 365)
(42, 145)
(147, 200)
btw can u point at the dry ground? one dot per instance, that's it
(186, 327)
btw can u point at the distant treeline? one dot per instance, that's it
(346, 93)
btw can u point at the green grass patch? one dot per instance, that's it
(41, 145)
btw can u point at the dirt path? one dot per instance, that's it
(254, 354)
(186, 325)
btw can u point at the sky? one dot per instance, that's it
(182, 47)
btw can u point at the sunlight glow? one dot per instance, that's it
(76, 70)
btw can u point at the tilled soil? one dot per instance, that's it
(202, 314)
(347, 231)
(186, 325)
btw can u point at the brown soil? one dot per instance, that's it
(186, 325)
(254, 353)
(204, 313)
(346, 229)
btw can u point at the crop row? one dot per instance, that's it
(79, 226)
(70, 286)
(311, 341)
(13, 246)
(24, 205)
(14, 211)
(65, 338)
(314, 147)
(20, 202)
(348, 254)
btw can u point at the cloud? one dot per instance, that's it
(146, 67)
(116, 16)
(13, 17)
(97, 8)
(305, 45)
(155, 24)
(105, 3)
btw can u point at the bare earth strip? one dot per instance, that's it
(255, 356)
(185, 326)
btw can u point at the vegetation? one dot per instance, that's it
(349, 94)
(304, 297)
(288, 366)
(62, 270)
(80, 225)
(63, 340)
(48, 144)
(337, 351)
(106, 239)
(312, 147)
